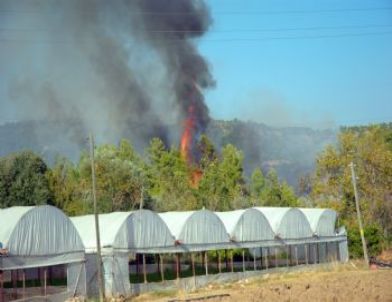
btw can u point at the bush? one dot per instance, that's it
(373, 237)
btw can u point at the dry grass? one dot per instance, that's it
(337, 282)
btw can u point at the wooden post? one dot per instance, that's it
(287, 255)
(306, 253)
(276, 257)
(359, 217)
(14, 285)
(1, 287)
(178, 266)
(206, 262)
(296, 255)
(232, 261)
(40, 281)
(100, 280)
(193, 265)
(219, 262)
(243, 260)
(254, 260)
(157, 260)
(162, 267)
(137, 267)
(261, 258)
(226, 261)
(326, 252)
(144, 268)
(24, 283)
(45, 280)
(337, 252)
(266, 259)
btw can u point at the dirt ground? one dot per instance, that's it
(350, 282)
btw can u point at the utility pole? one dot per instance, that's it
(98, 240)
(354, 180)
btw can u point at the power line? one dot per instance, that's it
(160, 13)
(261, 39)
(369, 26)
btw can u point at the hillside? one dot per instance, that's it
(291, 151)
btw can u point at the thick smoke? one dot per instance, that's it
(122, 68)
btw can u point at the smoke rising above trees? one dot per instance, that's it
(118, 68)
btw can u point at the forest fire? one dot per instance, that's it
(187, 136)
(187, 144)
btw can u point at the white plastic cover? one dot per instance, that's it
(196, 228)
(38, 236)
(130, 231)
(322, 221)
(287, 223)
(246, 225)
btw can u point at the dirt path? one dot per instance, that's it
(340, 284)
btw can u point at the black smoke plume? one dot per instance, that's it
(121, 68)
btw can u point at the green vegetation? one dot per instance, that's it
(160, 179)
(23, 180)
(370, 149)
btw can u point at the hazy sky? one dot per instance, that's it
(283, 63)
(280, 62)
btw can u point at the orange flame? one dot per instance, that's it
(186, 144)
(187, 135)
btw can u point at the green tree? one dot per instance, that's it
(276, 193)
(169, 176)
(120, 177)
(223, 186)
(257, 185)
(369, 149)
(207, 151)
(68, 187)
(23, 180)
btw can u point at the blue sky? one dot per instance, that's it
(280, 62)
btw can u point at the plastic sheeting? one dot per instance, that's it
(287, 223)
(141, 231)
(137, 231)
(246, 225)
(322, 221)
(196, 230)
(43, 236)
(270, 230)
(38, 236)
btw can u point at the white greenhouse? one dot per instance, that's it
(121, 233)
(36, 240)
(247, 227)
(196, 230)
(144, 251)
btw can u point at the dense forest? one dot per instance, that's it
(159, 178)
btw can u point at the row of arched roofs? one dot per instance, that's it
(45, 230)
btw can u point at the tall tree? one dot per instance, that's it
(257, 185)
(368, 148)
(170, 182)
(23, 180)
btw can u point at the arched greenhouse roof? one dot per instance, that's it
(136, 231)
(38, 235)
(201, 227)
(287, 223)
(247, 225)
(322, 221)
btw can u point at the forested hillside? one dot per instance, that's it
(290, 151)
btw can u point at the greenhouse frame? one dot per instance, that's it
(181, 249)
(36, 239)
